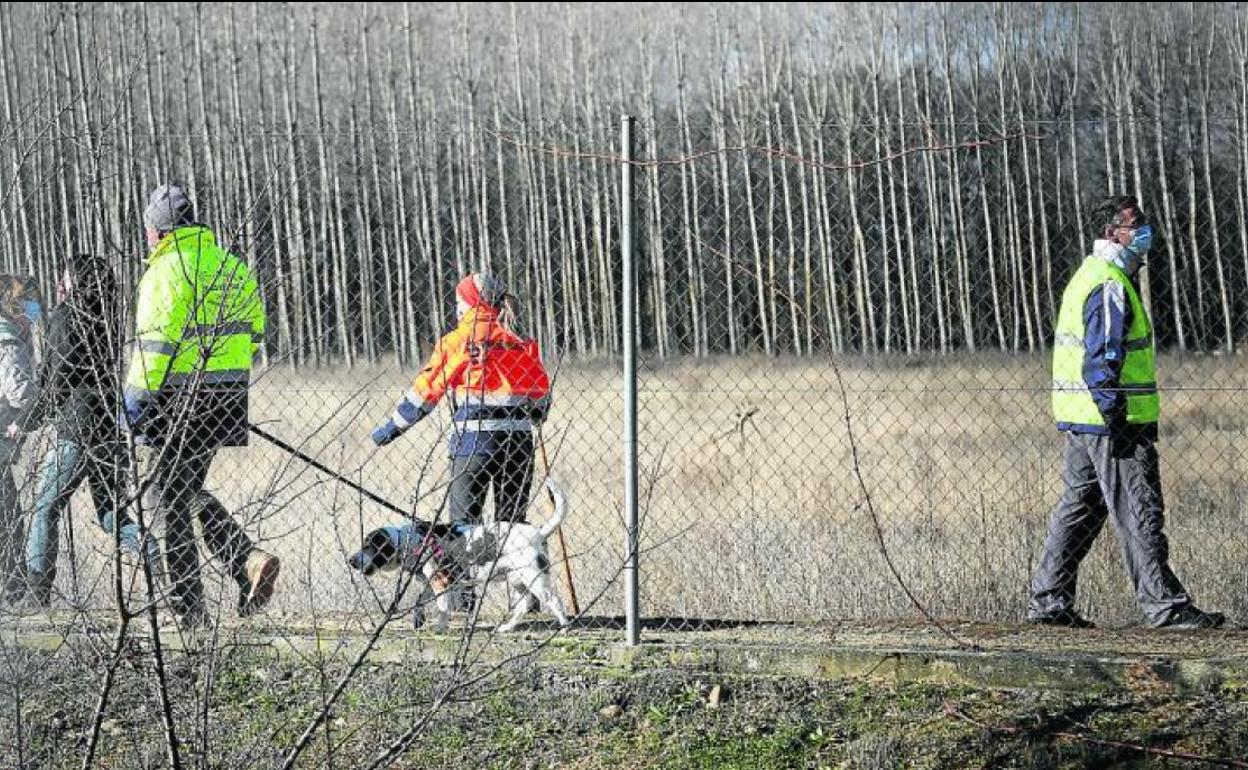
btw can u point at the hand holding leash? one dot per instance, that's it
(386, 433)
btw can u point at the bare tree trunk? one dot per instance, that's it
(756, 249)
(934, 227)
(504, 206)
(808, 277)
(882, 212)
(954, 194)
(1167, 205)
(772, 279)
(333, 244)
(1205, 74)
(1029, 195)
(690, 199)
(381, 254)
(1239, 50)
(654, 229)
(89, 130)
(295, 241)
(1133, 83)
(12, 102)
(790, 238)
(989, 239)
(862, 295)
(1023, 329)
(1201, 319)
(719, 102)
(912, 239)
(601, 222)
(364, 245)
(1075, 165)
(546, 297)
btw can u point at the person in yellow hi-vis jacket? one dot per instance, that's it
(1105, 400)
(198, 322)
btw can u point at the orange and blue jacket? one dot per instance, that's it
(496, 381)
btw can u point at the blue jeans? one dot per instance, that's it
(62, 470)
(11, 534)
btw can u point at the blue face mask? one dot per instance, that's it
(1131, 258)
(32, 310)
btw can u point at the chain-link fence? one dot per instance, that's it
(843, 331)
(845, 395)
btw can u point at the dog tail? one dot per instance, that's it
(560, 500)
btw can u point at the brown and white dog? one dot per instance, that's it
(455, 557)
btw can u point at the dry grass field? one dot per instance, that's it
(751, 508)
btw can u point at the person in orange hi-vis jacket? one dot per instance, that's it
(499, 389)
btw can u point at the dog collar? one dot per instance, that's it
(428, 544)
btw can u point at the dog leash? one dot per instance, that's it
(312, 461)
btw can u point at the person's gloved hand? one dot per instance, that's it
(133, 410)
(540, 409)
(386, 433)
(1121, 434)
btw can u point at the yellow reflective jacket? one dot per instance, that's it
(198, 323)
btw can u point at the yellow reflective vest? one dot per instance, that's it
(1072, 402)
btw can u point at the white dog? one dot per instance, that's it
(454, 556)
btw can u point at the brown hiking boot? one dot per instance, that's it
(258, 583)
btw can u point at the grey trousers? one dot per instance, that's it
(1104, 478)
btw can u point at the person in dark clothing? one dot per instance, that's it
(78, 381)
(1105, 399)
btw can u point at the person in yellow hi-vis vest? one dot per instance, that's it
(1105, 399)
(198, 322)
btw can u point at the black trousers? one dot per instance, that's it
(178, 481)
(507, 468)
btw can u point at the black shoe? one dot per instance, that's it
(39, 595)
(1191, 618)
(1064, 619)
(13, 594)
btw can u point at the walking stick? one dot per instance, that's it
(277, 442)
(563, 545)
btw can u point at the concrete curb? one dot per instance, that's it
(859, 654)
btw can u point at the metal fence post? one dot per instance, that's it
(632, 602)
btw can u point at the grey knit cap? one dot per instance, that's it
(168, 207)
